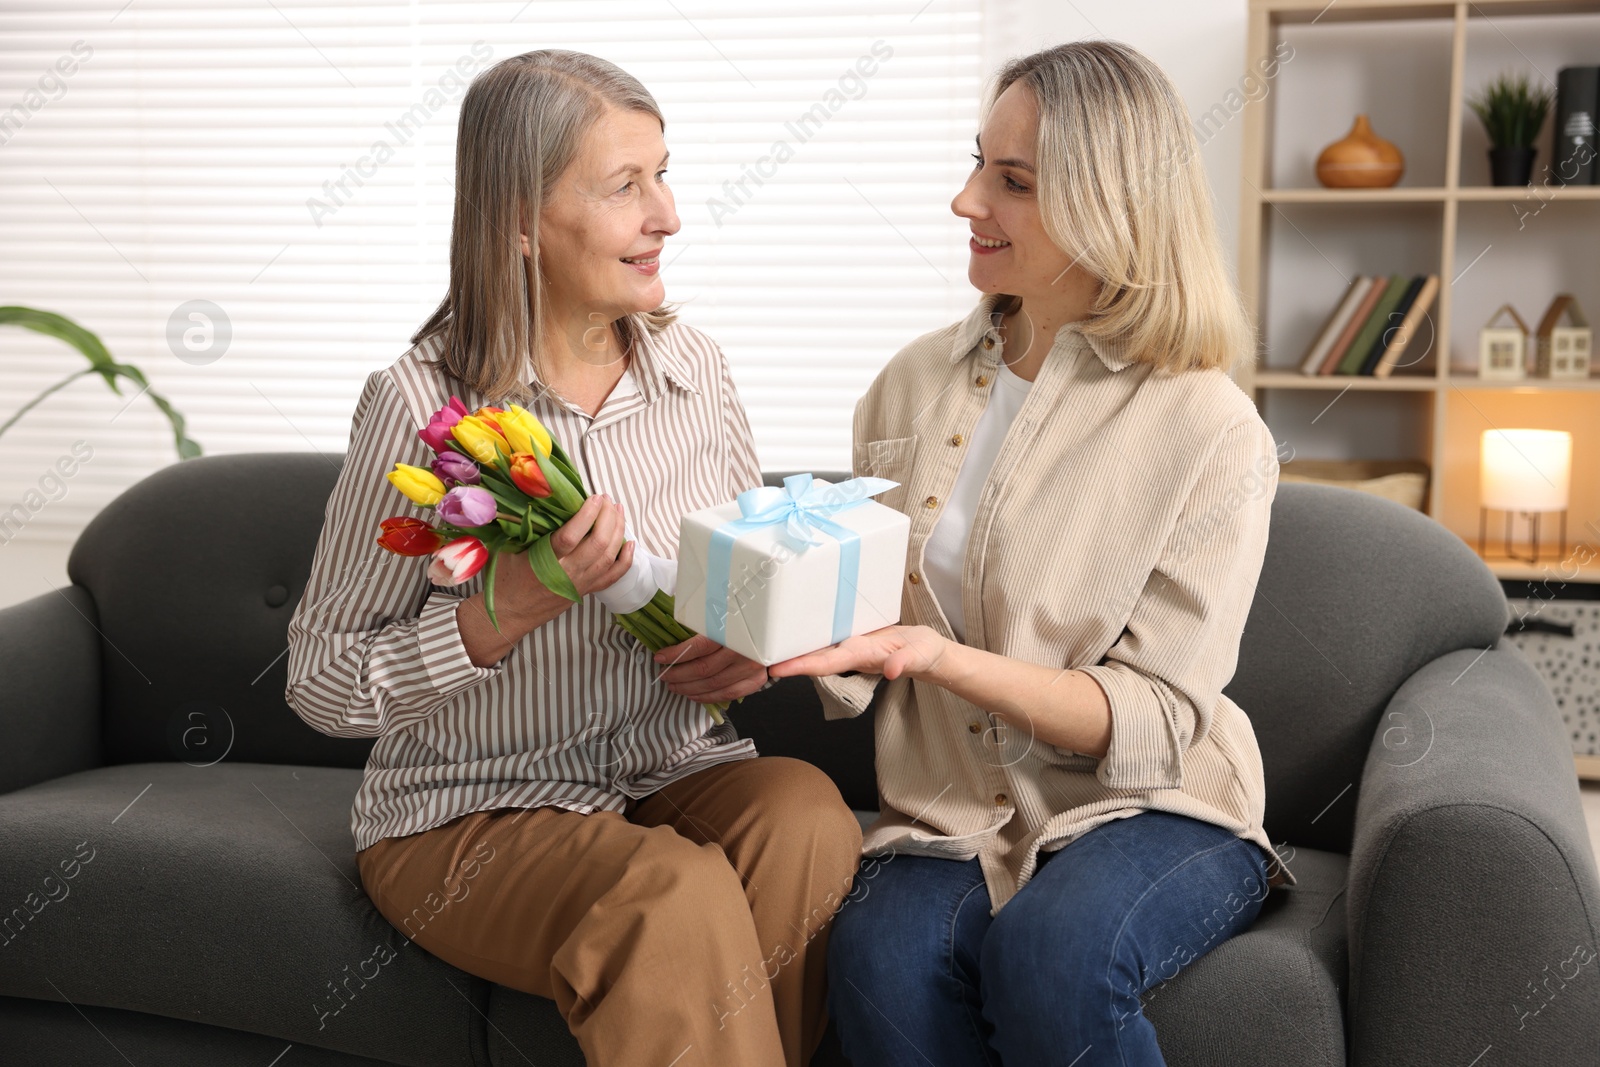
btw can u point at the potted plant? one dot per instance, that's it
(1512, 114)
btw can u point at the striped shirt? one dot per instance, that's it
(1120, 532)
(572, 716)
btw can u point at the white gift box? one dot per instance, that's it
(786, 584)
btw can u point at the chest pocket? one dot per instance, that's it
(891, 458)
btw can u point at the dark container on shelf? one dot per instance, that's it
(1573, 134)
(1511, 166)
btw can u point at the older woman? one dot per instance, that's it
(544, 806)
(1072, 809)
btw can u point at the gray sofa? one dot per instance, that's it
(178, 884)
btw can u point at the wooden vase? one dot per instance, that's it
(1361, 160)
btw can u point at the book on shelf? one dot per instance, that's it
(1386, 329)
(1371, 325)
(1376, 321)
(1399, 338)
(1334, 325)
(1573, 135)
(1371, 290)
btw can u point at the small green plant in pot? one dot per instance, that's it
(1512, 113)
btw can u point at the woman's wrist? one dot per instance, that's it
(485, 645)
(941, 658)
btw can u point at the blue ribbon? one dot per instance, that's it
(802, 507)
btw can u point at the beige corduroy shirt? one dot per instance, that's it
(1120, 532)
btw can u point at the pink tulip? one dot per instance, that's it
(467, 505)
(457, 561)
(437, 432)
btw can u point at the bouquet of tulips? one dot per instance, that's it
(500, 484)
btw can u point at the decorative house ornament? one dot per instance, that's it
(1503, 350)
(1563, 351)
(1360, 160)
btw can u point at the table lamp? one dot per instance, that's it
(1528, 471)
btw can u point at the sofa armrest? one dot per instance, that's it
(50, 700)
(1474, 907)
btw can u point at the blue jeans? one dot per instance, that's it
(920, 974)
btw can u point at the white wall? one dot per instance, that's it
(1199, 43)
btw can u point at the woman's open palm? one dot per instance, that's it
(891, 652)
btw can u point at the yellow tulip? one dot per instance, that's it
(478, 439)
(524, 430)
(417, 483)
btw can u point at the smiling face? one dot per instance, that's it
(1011, 252)
(603, 224)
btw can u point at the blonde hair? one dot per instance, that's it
(1121, 187)
(522, 123)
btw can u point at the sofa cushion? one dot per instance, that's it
(225, 895)
(37, 1033)
(1274, 994)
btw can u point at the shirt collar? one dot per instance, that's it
(656, 361)
(981, 319)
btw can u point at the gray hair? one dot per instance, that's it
(522, 123)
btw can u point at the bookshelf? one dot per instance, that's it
(1411, 66)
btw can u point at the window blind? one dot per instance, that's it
(251, 203)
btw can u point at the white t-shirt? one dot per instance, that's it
(944, 553)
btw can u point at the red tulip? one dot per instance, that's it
(406, 536)
(457, 561)
(527, 476)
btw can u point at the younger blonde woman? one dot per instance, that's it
(1072, 809)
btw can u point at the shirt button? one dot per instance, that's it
(974, 727)
(913, 577)
(955, 439)
(931, 502)
(999, 798)
(982, 380)
(988, 342)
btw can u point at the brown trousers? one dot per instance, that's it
(691, 929)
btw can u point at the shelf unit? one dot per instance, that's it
(1439, 404)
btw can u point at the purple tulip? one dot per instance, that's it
(467, 506)
(452, 468)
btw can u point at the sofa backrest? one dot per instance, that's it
(1356, 594)
(196, 570)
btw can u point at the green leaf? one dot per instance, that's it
(564, 464)
(64, 329)
(100, 362)
(488, 590)
(504, 465)
(566, 467)
(546, 568)
(562, 493)
(1511, 111)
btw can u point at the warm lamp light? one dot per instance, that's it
(1528, 471)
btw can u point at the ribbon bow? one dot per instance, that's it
(803, 506)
